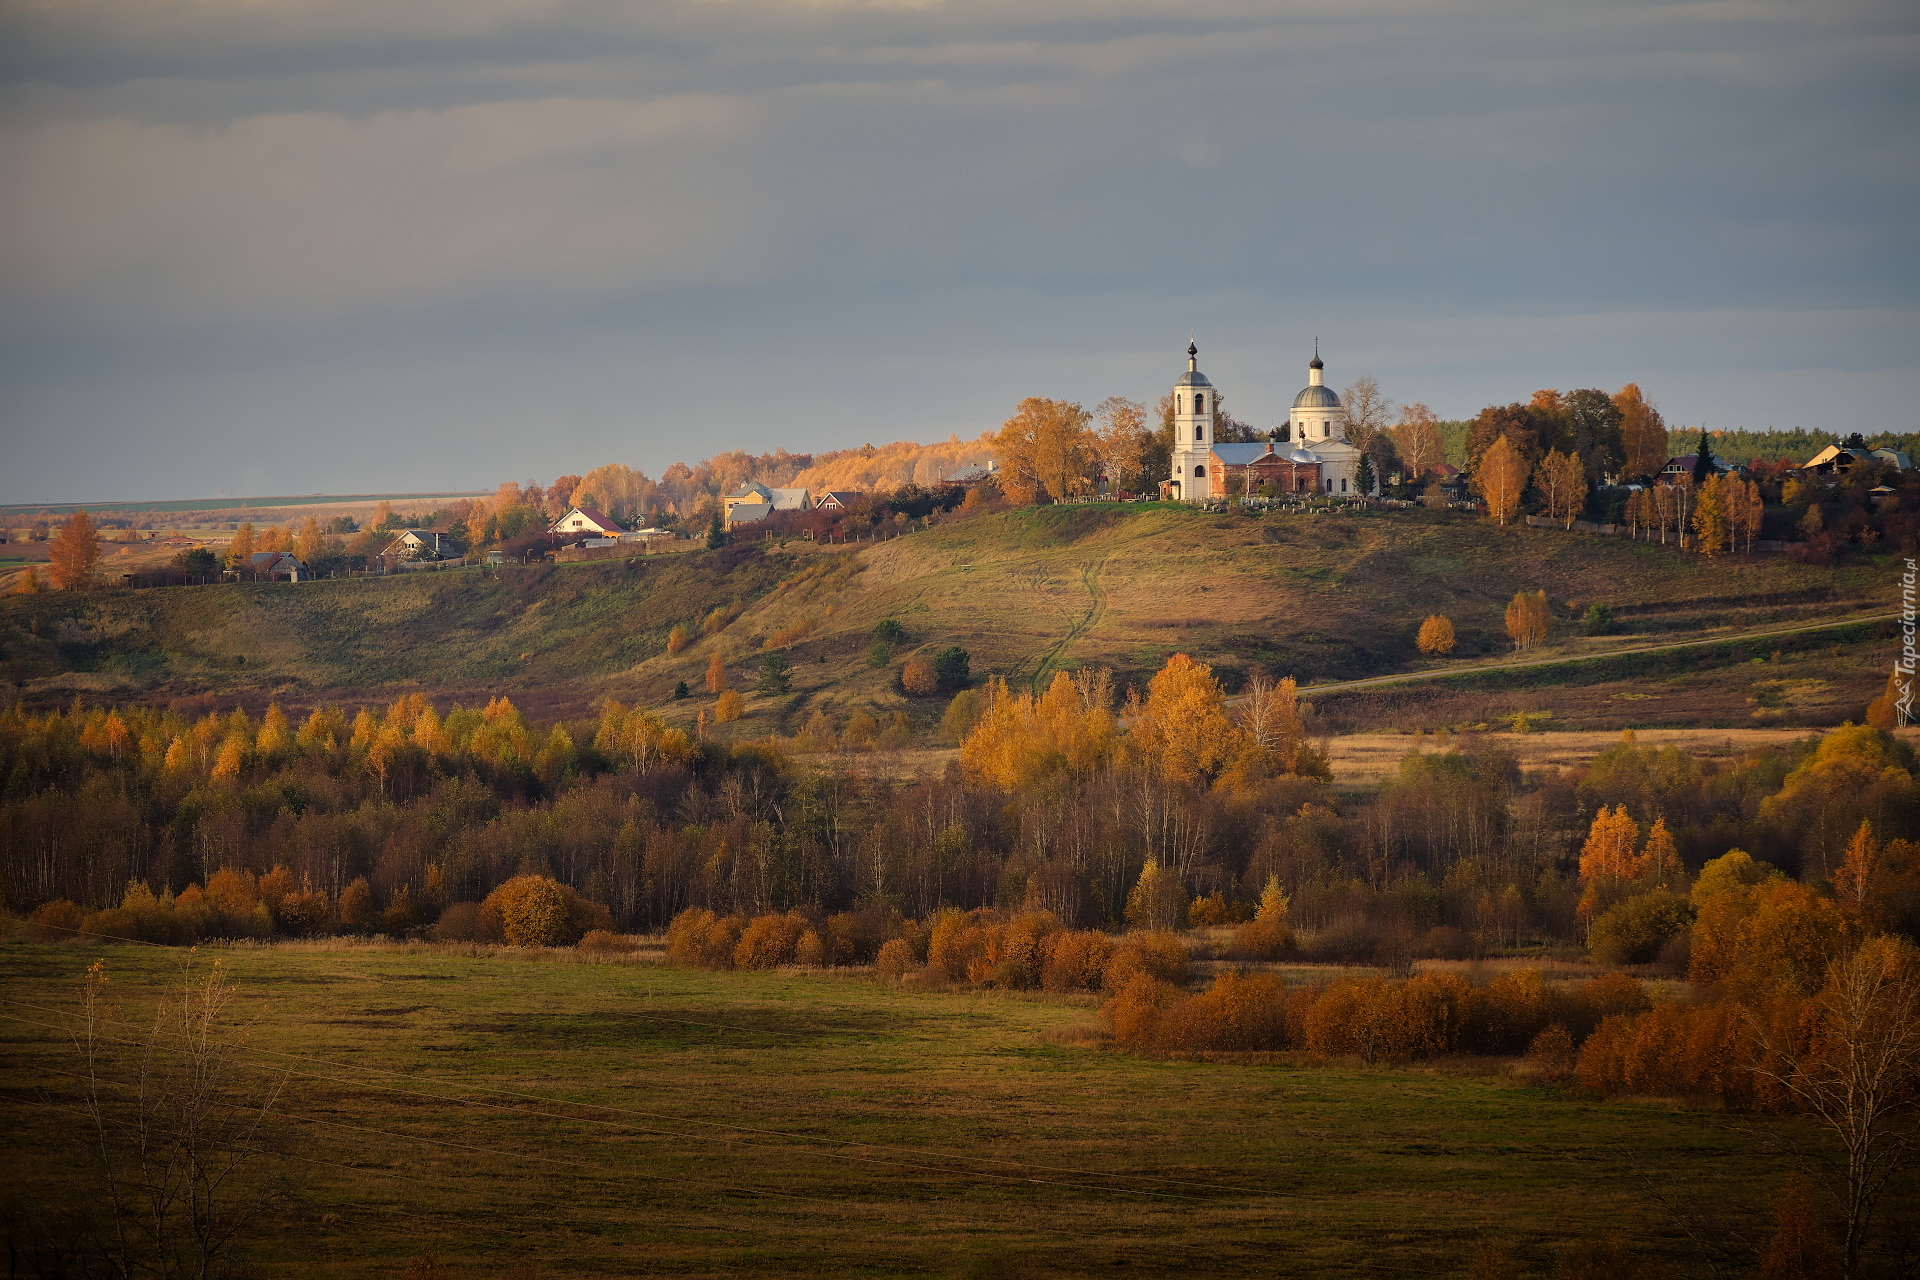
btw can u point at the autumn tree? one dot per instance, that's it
(1855, 1067)
(75, 554)
(1591, 432)
(1274, 720)
(1528, 618)
(1436, 638)
(1500, 479)
(240, 550)
(1643, 433)
(918, 679)
(174, 1121)
(1417, 438)
(1045, 450)
(1710, 518)
(1123, 442)
(1519, 425)
(1157, 900)
(1562, 481)
(1368, 410)
(716, 673)
(1744, 509)
(1182, 727)
(1609, 852)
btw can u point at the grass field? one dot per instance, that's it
(582, 1119)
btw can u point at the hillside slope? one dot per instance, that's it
(1026, 592)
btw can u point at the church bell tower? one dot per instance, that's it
(1193, 407)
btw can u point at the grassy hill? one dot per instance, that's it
(1027, 592)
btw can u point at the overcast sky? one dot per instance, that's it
(292, 246)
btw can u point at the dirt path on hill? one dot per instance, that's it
(1055, 653)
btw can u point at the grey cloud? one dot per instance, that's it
(1708, 192)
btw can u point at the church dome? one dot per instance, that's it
(1316, 398)
(1303, 455)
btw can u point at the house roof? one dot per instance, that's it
(594, 517)
(1686, 461)
(1239, 454)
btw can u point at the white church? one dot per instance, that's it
(1314, 458)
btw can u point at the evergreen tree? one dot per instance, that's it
(1703, 468)
(950, 667)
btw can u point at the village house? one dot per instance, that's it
(972, 474)
(754, 495)
(415, 546)
(589, 521)
(1683, 466)
(275, 566)
(1839, 459)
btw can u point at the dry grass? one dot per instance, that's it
(660, 1121)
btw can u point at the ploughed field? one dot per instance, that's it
(626, 1118)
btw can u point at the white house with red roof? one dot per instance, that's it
(589, 521)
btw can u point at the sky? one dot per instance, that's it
(263, 247)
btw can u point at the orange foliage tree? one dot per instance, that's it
(75, 554)
(1436, 636)
(1181, 728)
(1499, 478)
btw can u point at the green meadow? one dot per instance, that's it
(548, 1115)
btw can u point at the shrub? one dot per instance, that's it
(1551, 1053)
(954, 940)
(1634, 931)
(1075, 961)
(1158, 954)
(769, 940)
(56, 920)
(1239, 1012)
(895, 958)
(458, 923)
(810, 951)
(537, 911)
(918, 679)
(699, 939)
(1134, 1013)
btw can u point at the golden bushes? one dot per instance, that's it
(896, 959)
(535, 911)
(769, 941)
(1158, 954)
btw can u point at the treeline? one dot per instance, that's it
(1058, 803)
